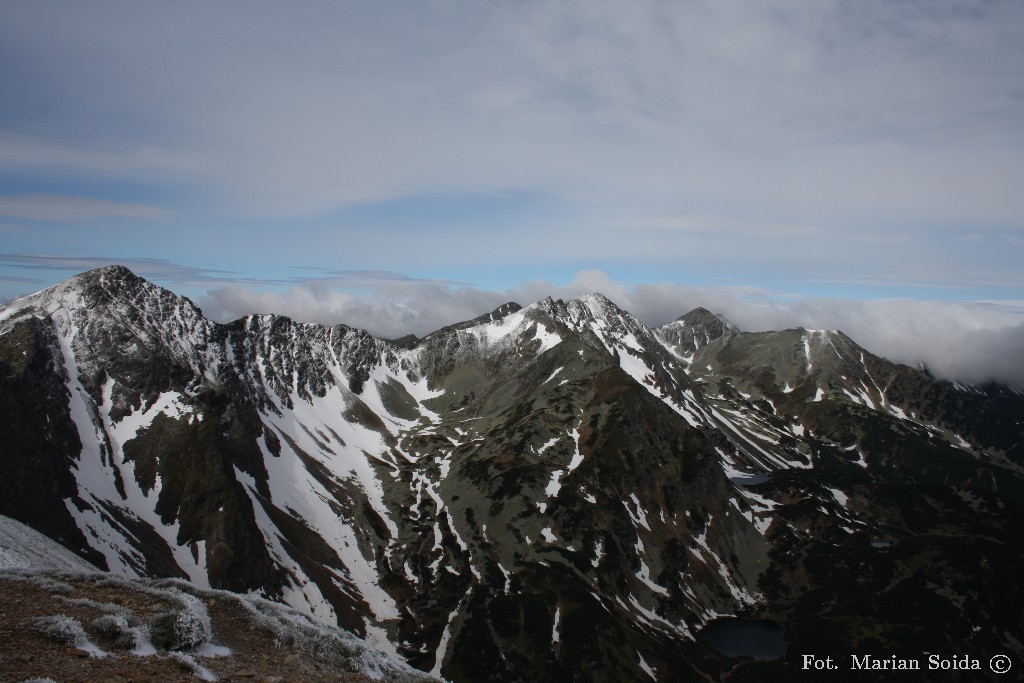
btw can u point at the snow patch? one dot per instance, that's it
(548, 444)
(553, 375)
(644, 574)
(647, 668)
(840, 497)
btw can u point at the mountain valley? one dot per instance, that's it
(549, 493)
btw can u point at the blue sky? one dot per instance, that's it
(400, 165)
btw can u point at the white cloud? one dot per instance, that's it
(49, 207)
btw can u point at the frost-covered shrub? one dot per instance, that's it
(51, 585)
(107, 607)
(185, 625)
(183, 628)
(344, 651)
(61, 629)
(118, 632)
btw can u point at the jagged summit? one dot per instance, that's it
(694, 330)
(113, 287)
(114, 270)
(588, 308)
(701, 316)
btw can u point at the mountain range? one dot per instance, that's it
(550, 493)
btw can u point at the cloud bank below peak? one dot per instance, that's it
(973, 342)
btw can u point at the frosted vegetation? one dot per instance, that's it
(184, 630)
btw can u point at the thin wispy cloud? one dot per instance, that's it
(162, 270)
(35, 152)
(355, 278)
(47, 207)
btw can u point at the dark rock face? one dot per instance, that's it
(556, 492)
(38, 440)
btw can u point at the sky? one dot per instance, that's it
(399, 166)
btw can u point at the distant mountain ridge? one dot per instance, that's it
(543, 493)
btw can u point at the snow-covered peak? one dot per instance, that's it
(702, 318)
(596, 302)
(596, 306)
(696, 329)
(580, 312)
(508, 326)
(115, 292)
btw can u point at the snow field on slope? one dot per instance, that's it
(298, 591)
(727, 422)
(644, 375)
(496, 333)
(547, 444)
(97, 484)
(143, 504)
(547, 339)
(22, 547)
(291, 486)
(707, 555)
(758, 510)
(371, 396)
(652, 618)
(442, 646)
(493, 332)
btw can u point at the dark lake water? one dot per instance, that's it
(757, 638)
(744, 479)
(895, 532)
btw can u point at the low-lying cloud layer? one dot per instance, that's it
(969, 342)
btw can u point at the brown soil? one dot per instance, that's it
(26, 654)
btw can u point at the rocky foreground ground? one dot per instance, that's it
(71, 628)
